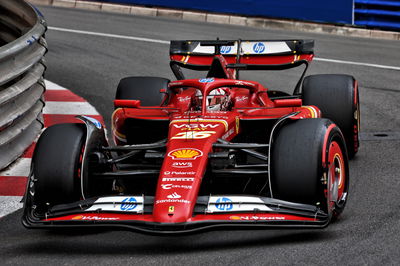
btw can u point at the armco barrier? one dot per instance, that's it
(22, 47)
(383, 14)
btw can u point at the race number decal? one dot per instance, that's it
(193, 135)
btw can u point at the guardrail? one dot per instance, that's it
(22, 47)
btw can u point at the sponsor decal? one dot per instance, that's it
(195, 126)
(226, 49)
(194, 135)
(224, 204)
(179, 173)
(258, 47)
(171, 209)
(129, 204)
(237, 124)
(236, 203)
(185, 154)
(227, 134)
(242, 83)
(173, 201)
(118, 203)
(171, 186)
(241, 98)
(207, 80)
(94, 218)
(257, 218)
(181, 179)
(182, 164)
(210, 119)
(174, 196)
(183, 99)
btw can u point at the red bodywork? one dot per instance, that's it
(194, 132)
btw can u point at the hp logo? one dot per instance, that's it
(207, 80)
(130, 204)
(224, 204)
(225, 49)
(258, 48)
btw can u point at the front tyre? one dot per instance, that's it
(309, 165)
(56, 165)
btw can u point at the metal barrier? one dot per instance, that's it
(384, 14)
(22, 47)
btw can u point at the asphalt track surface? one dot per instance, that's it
(366, 234)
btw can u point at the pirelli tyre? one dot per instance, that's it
(338, 99)
(56, 165)
(145, 89)
(309, 165)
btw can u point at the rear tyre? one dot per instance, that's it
(338, 99)
(309, 165)
(56, 165)
(145, 89)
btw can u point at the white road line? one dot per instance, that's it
(69, 108)
(19, 168)
(167, 42)
(109, 35)
(356, 63)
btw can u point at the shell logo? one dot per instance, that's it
(185, 154)
(234, 218)
(79, 217)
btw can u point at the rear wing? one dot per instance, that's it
(242, 54)
(230, 56)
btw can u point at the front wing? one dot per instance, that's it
(210, 213)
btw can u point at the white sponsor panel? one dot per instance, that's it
(265, 47)
(119, 203)
(235, 203)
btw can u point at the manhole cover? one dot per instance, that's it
(380, 135)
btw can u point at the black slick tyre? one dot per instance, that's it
(338, 99)
(145, 89)
(56, 165)
(309, 165)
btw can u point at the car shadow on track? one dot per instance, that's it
(98, 241)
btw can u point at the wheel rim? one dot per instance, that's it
(336, 176)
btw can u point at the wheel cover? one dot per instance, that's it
(336, 176)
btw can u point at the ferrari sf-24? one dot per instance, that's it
(215, 152)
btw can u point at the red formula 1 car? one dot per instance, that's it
(196, 154)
